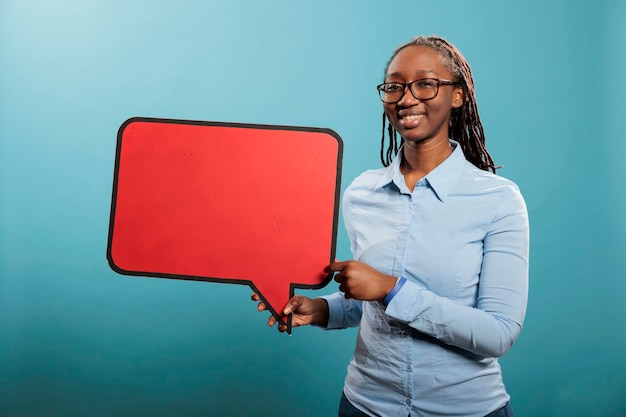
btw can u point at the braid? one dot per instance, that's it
(382, 144)
(465, 125)
(386, 156)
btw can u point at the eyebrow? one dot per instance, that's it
(418, 72)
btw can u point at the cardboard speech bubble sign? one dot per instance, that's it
(226, 202)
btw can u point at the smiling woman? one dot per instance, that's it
(437, 297)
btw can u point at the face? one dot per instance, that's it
(416, 120)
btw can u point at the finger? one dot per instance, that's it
(255, 297)
(271, 321)
(261, 306)
(337, 266)
(339, 278)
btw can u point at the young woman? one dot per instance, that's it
(439, 281)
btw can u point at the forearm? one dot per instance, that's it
(475, 330)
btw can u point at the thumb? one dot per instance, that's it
(292, 305)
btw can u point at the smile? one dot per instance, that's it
(411, 117)
(410, 120)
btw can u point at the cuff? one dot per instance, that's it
(335, 311)
(399, 283)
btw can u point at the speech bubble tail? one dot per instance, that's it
(289, 319)
(275, 301)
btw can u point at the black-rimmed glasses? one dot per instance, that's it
(422, 89)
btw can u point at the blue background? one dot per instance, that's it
(76, 339)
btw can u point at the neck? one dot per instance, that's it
(421, 157)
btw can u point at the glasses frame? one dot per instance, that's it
(410, 86)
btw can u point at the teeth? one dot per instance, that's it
(411, 117)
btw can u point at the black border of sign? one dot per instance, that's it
(292, 287)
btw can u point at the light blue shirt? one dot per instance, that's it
(461, 241)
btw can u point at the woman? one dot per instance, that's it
(438, 285)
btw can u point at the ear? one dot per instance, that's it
(458, 97)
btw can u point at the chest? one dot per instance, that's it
(436, 243)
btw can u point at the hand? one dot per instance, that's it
(305, 311)
(360, 281)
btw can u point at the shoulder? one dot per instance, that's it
(496, 195)
(367, 180)
(480, 181)
(366, 190)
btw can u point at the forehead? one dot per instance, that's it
(417, 61)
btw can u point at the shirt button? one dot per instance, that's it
(408, 401)
(409, 368)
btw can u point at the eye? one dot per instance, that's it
(392, 87)
(426, 83)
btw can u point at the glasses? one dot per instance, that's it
(422, 89)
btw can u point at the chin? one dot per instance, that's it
(414, 142)
(410, 136)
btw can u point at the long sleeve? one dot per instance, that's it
(491, 326)
(342, 312)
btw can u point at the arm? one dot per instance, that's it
(490, 327)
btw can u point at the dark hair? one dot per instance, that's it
(465, 125)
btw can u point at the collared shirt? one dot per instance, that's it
(461, 240)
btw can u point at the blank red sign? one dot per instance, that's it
(223, 202)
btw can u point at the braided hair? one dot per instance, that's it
(465, 126)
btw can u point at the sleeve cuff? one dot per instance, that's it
(399, 283)
(342, 312)
(335, 311)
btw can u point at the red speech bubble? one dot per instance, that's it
(225, 202)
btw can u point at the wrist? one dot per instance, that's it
(320, 318)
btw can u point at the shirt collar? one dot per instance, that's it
(441, 179)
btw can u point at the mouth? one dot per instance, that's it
(409, 121)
